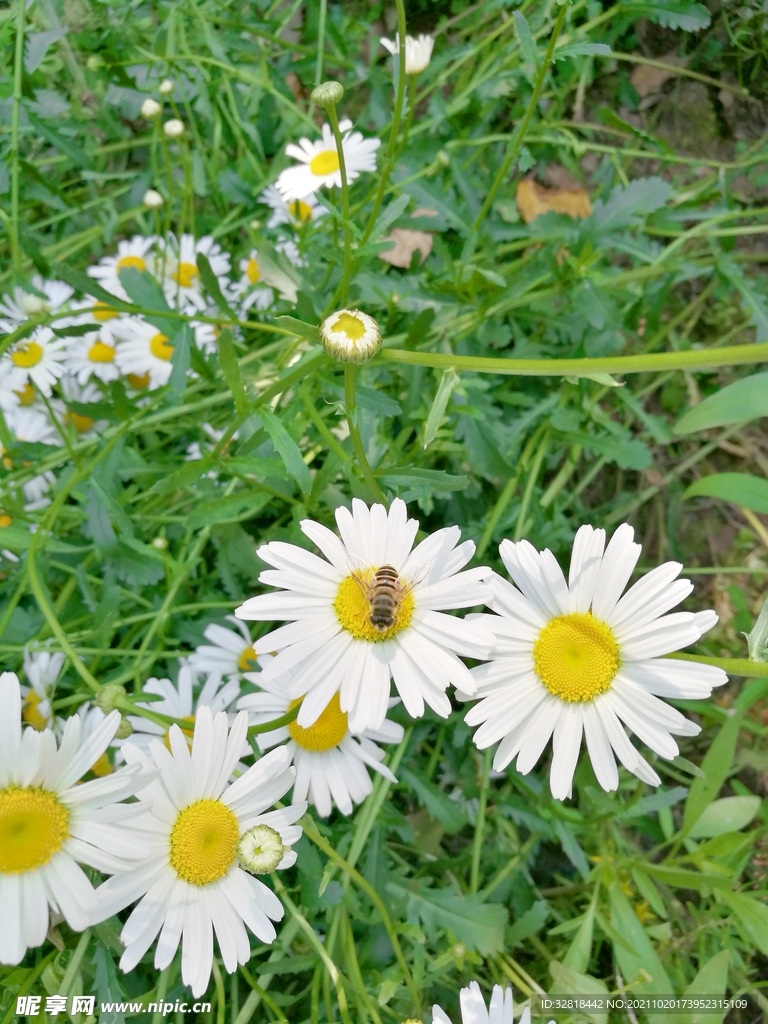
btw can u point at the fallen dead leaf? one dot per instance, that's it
(646, 79)
(533, 199)
(407, 241)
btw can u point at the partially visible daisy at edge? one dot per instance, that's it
(229, 653)
(577, 659)
(52, 823)
(319, 162)
(500, 1010)
(300, 211)
(330, 761)
(42, 669)
(330, 644)
(191, 885)
(23, 304)
(249, 289)
(36, 359)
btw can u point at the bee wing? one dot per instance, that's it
(355, 563)
(420, 573)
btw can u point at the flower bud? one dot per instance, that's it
(32, 305)
(166, 87)
(124, 730)
(108, 696)
(150, 109)
(94, 62)
(159, 543)
(152, 199)
(350, 336)
(174, 128)
(327, 94)
(260, 849)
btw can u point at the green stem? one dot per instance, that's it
(516, 142)
(530, 484)
(18, 64)
(343, 291)
(477, 843)
(734, 355)
(74, 963)
(322, 428)
(498, 510)
(733, 666)
(357, 442)
(320, 48)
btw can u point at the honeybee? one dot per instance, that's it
(385, 593)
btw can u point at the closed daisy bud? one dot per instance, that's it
(327, 94)
(166, 87)
(260, 849)
(350, 336)
(174, 128)
(152, 199)
(32, 304)
(108, 697)
(124, 730)
(150, 109)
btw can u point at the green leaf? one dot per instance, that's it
(716, 765)
(730, 814)
(143, 289)
(627, 454)
(650, 804)
(755, 303)
(37, 44)
(581, 50)
(436, 479)
(688, 16)
(644, 956)
(287, 449)
(388, 216)
(108, 990)
(527, 45)
(480, 926)
(626, 205)
(448, 382)
(232, 509)
(136, 564)
(681, 879)
(437, 803)
(67, 147)
(298, 327)
(82, 283)
(580, 949)
(532, 921)
(745, 399)
(180, 358)
(231, 370)
(182, 478)
(647, 889)
(711, 980)
(17, 537)
(571, 847)
(369, 398)
(566, 980)
(211, 283)
(737, 488)
(753, 918)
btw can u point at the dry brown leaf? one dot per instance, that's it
(407, 241)
(533, 199)
(646, 79)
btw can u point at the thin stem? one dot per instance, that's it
(320, 48)
(498, 510)
(477, 843)
(18, 64)
(343, 290)
(733, 666)
(357, 442)
(322, 428)
(530, 484)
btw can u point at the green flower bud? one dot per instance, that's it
(327, 94)
(108, 696)
(124, 730)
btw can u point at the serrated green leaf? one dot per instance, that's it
(753, 917)
(287, 449)
(37, 44)
(480, 926)
(527, 45)
(737, 488)
(729, 814)
(754, 302)
(626, 205)
(581, 50)
(233, 509)
(437, 803)
(67, 147)
(532, 921)
(684, 14)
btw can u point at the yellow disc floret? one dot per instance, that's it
(300, 210)
(101, 353)
(29, 355)
(328, 731)
(33, 826)
(138, 380)
(160, 347)
(31, 713)
(103, 312)
(325, 163)
(246, 659)
(203, 842)
(26, 395)
(350, 325)
(253, 271)
(576, 656)
(131, 261)
(353, 609)
(186, 274)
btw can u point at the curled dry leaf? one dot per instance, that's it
(533, 199)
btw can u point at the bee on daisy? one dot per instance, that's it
(335, 642)
(331, 763)
(577, 660)
(319, 162)
(137, 252)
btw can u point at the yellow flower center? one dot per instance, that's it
(300, 210)
(104, 312)
(160, 347)
(101, 353)
(186, 274)
(253, 271)
(79, 422)
(203, 841)
(189, 733)
(138, 380)
(26, 395)
(129, 261)
(325, 163)
(33, 826)
(102, 766)
(5, 520)
(576, 656)
(31, 712)
(353, 609)
(246, 659)
(349, 325)
(328, 731)
(28, 356)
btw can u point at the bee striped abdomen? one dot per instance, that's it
(384, 596)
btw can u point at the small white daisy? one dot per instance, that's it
(300, 211)
(39, 357)
(136, 252)
(91, 719)
(50, 823)
(256, 295)
(13, 389)
(418, 51)
(92, 355)
(332, 644)
(177, 263)
(500, 1010)
(33, 424)
(16, 308)
(319, 162)
(42, 670)
(577, 658)
(231, 653)
(191, 885)
(86, 394)
(330, 761)
(142, 350)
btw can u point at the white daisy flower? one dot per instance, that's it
(100, 314)
(42, 670)
(13, 391)
(474, 1011)
(179, 702)
(50, 823)
(418, 51)
(33, 424)
(86, 394)
(16, 308)
(136, 252)
(143, 350)
(300, 211)
(39, 357)
(231, 653)
(319, 162)
(578, 658)
(351, 629)
(191, 885)
(330, 761)
(177, 262)
(92, 355)
(256, 295)
(91, 719)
